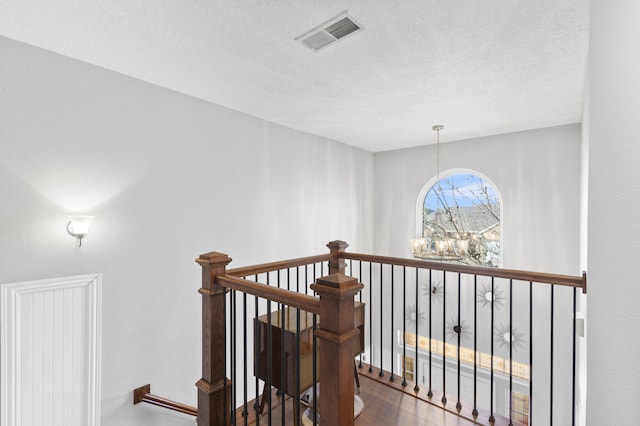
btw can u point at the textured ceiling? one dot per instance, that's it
(479, 67)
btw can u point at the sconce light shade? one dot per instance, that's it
(78, 227)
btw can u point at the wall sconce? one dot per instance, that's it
(78, 227)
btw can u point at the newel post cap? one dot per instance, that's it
(337, 245)
(337, 285)
(214, 259)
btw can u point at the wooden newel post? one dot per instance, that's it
(336, 264)
(336, 334)
(213, 388)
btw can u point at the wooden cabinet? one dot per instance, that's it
(283, 335)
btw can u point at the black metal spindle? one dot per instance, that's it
(245, 412)
(296, 399)
(551, 361)
(474, 412)
(430, 393)
(314, 374)
(444, 338)
(370, 317)
(510, 352)
(314, 276)
(459, 404)
(493, 298)
(224, 397)
(283, 382)
(404, 326)
(256, 362)
(269, 357)
(573, 378)
(233, 355)
(391, 335)
(306, 279)
(416, 388)
(360, 296)
(381, 373)
(530, 352)
(297, 279)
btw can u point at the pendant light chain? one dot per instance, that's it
(437, 128)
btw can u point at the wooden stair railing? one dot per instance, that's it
(335, 333)
(143, 394)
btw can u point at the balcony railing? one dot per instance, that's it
(470, 340)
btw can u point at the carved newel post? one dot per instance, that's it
(336, 334)
(213, 399)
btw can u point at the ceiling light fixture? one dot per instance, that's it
(443, 241)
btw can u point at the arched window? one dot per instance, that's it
(459, 220)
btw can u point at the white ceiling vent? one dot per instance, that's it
(330, 32)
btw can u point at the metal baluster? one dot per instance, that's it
(416, 388)
(492, 419)
(510, 352)
(573, 379)
(370, 317)
(360, 295)
(280, 391)
(256, 362)
(314, 277)
(459, 404)
(245, 412)
(306, 279)
(224, 361)
(475, 347)
(430, 393)
(269, 356)
(297, 279)
(296, 398)
(551, 363)
(530, 352)
(393, 330)
(381, 373)
(234, 365)
(444, 338)
(404, 326)
(283, 383)
(315, 378)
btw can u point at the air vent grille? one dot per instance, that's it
(330, 32)
(343, 27)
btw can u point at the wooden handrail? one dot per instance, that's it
(143, 394)
(538, 277)
(274, 266)
(275, 294)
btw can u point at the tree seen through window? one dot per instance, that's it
(461, 222)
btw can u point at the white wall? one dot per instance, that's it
(168, 177)
(614, 202)
(537, 173)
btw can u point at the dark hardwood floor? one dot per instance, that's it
(384, 406)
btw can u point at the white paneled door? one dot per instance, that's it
(50, 352)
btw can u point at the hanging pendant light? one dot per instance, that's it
(440, 245)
